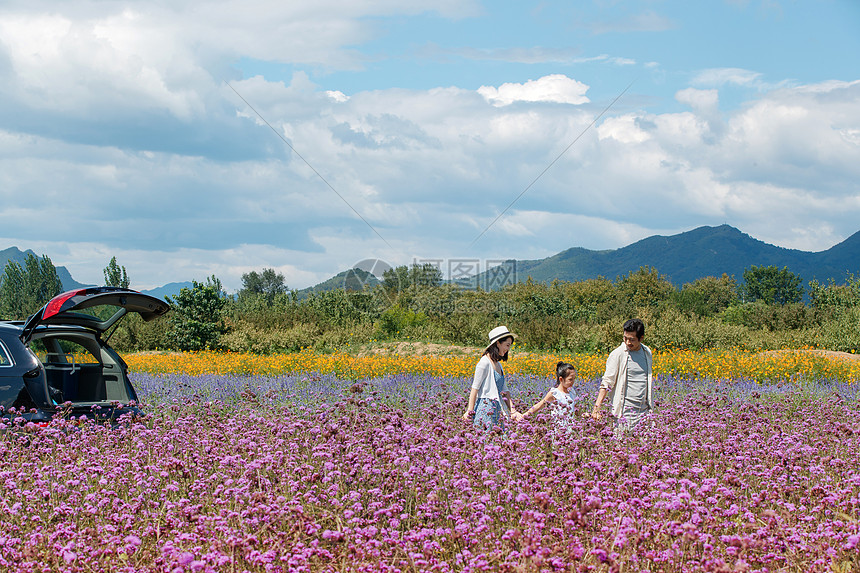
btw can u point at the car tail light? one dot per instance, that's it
(56, 304)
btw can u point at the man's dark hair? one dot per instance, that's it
(635, 325)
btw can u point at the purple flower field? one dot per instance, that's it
(312, 473)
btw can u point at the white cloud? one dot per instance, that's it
(623, 129)
(700, 100)
(337, 96)
(122, 140)
(720, 76)
(555, 88)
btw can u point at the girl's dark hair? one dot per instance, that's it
(562, 369)
(493, 350)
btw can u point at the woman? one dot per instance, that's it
(489, 402)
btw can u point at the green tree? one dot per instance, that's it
(707, 296)
(197, 322)
(425, 275)
(835, 296)
(593, 299)
(395, 280)
(644, 288)
(267, 284)
(772, 285)
(115, 275)
(24, 290)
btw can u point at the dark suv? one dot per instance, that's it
(58, 362)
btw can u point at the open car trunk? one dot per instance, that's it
(80, 374)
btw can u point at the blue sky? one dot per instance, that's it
(418, 131)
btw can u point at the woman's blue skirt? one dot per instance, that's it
(488, 413)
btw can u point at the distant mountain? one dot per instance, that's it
(168, 290)
(685, 257)
(20, 257)
(350, 280)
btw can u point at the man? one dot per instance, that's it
(628, 378)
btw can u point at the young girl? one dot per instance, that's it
(563, 396)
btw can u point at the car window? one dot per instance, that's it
(61, 351)
(5, 360)
(101, 311)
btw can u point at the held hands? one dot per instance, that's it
(516, 416)
(595, 415)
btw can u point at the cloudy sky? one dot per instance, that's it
(192, 138)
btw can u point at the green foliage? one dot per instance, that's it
(340, 307)
(835, 296)
(583, 316)
(267, 284)
(707, 296)
(115, 275)
(587, 339)
(196, 322)
(399, 280)
(263, 341)
(840, 334)
(675, 329)
(536, 300)
(133, 334)
(24, 290)
(547, 332)
(772, 285)
(761, 316)
(593, 299)
(646, 288)
(397, 319)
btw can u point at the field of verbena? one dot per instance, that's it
(319, 471)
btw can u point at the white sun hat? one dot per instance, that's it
(497, 334)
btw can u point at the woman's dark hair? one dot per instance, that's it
(493, 350)
(562, 369)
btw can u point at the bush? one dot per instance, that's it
(196, 322)
(134, 334)
(247, 338)
(761, 316)
(397, 319)
(585, 339)
(542, 333)
(675, 330)
(839, 334)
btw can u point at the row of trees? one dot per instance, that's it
(766, 310)
(24, 289)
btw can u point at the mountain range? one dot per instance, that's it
(687, 256)
(682, 258)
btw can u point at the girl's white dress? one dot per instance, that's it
(563, 409)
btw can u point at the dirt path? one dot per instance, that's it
(410, 348)
(825, 353)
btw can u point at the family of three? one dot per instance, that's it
(627, 380)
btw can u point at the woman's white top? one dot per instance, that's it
(485, 382)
